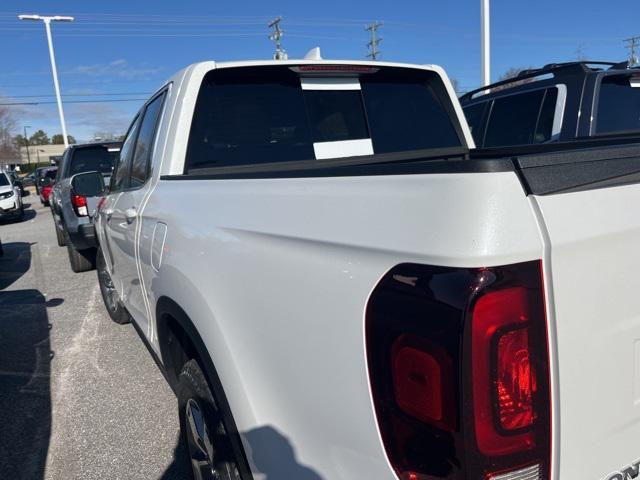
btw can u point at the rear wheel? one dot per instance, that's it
(204, 433)
(110, 296)
(80, 260)
(60, 237)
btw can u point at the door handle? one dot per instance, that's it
(130, 214)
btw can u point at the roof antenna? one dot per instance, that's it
(313, 54)
(276, 36)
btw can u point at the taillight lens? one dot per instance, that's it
(423, 381)
(79, 203)
(459, 369)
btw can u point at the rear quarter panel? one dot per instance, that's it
(276, 275)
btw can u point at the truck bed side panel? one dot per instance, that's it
(276, 275)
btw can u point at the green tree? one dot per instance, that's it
(39, 138)
(19, 140)
(57, 139)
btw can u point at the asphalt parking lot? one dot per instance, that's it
(80, 397)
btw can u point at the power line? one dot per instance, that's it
(75, 101)
(276, 36)
(78, 95)
(374, 52)
(632, 44)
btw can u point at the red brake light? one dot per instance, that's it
(79, 203)
(459, 369)
(515, 381)
(422, 381)
(502, 371)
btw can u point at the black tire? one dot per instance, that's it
(59, 235)
(20, 216)
(197, 407)
(115, 309)
(80, 260)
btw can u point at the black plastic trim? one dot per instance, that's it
(563, 167)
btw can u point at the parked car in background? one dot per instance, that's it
(556, 103)
(28, 180)
(321, 263)
(46, 182)
(17, 181)
(71, 211)
(39, 175)
(10, 198)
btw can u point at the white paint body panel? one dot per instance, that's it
(276, 275)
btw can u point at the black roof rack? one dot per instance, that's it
(578, 66)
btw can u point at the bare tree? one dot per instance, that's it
(9, 152)
(513, 72)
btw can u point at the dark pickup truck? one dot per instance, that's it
(555, 103)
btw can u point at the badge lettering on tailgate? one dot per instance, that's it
(629, 472)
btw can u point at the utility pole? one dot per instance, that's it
(485, 42)
(26, 144)
(276, 36)
(632, 44)
(47, 26)
(372, 28)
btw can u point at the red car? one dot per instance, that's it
(46, 184)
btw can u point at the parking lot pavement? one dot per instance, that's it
(80, 396)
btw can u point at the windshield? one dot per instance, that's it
(4, 181)
(91, 159)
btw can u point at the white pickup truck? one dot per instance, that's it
(336, 286)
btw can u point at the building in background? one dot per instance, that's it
(41, 154)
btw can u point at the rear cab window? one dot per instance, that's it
(269, 114)
(98, 158)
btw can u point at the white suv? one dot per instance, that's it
(10, 199)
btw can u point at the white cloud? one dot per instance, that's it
(119, 68)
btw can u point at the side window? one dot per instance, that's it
(513, 119)
(618, 105)
(121, 173)
(474, 114)
(544, 129)
(63, 165)
(144, 144)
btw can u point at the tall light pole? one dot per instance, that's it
(26, 144)
(485, 42)
(47, 25)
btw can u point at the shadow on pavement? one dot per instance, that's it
(25, 358)
(14, 263)
(275, 458)
(179, 468)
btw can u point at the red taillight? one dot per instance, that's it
(423, 381)
(459, 371)
(515, 381)
(502, 372)
(101, 202)
(79, 203)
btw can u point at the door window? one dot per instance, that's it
(140, 167)
(119, 181)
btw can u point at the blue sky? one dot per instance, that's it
(117, 47)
